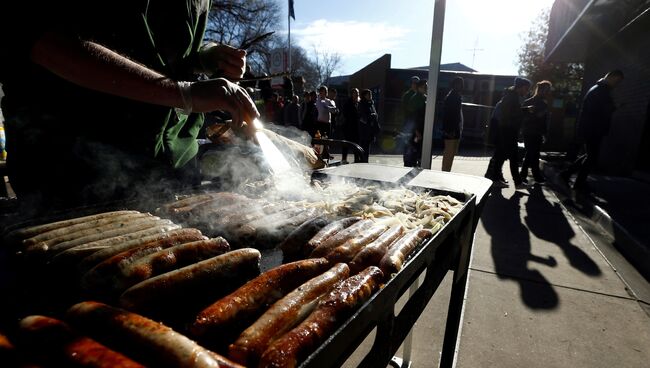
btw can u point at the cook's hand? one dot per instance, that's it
(226, 61)
(220, 94)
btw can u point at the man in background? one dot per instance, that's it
(593, 125)
(325, 108)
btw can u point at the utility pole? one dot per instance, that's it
(474, 51)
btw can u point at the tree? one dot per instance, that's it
(326, 63)
(566, 77)
(234, 22)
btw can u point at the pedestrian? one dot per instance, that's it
(325, 108)
(119, 106)
(534, 129)
(408, 122)
(452, 122)
(351, 120)
(368, 121)
(510, 120)
(311, 114)
(416, 108)
(593, 125)
(292, 112)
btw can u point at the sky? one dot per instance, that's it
(363, 30)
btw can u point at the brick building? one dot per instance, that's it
(482, 91)
(606, 35)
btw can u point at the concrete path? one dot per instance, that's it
(540, 293)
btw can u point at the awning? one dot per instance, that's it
(577, 25)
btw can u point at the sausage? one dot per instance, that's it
(179, 235)
(205, 280)
(28, 232)
(206, 212)
(371, 254)
(346, 252)
(209, 199)
(397, 252)
(104, 277)
(271, 235)
(7, 351)
(111, 230)
(72, 232)
(73, 255)
(256, 294)
(283, 316)
(166, 260)
(292, 348)
(148, 341)
(248, 232)
(327, 232)
(296, 240)
(352, 232)
(53, 341)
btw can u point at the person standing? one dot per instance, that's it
(368, 121)
(509, 124)
(403, 143)
(416, 108)
(452, 122)
(325, 108)
(292, 112)
(534, 129)
(310, 114)
(351, 117)
(593, 125)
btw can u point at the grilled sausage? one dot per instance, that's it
(372, 253)
(327, 232)
(397, 252)
(166, 260)
(346, 251)
(73, 255)
(112, 230)
(151, 342)
(122, 244)
(296, 240)
(104, 279)
(248, 300)
(56, 344)
(289, 350)
(355, 231)
(28, 232)
(205, 280)
(75, 231)
(210, 199)
(249, 232)
(284, 315)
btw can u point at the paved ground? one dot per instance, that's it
(540, 293)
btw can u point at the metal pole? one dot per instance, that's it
(289, 41)
(434, 69)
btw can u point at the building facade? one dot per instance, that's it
(607, 35)
(481, 93)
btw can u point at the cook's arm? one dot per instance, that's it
(96, 67)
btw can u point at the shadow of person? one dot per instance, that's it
(511, 251)
(548, 222)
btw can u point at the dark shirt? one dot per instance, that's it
(56, 128)
(292, 114)
(406, 97)
(596, 114)
(351, 117)
(452, 115)
(368, 120)
(511, 113)
(535, 122)
(418, 106)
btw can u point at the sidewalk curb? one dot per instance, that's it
(630, 247)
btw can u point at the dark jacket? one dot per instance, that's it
(292, 114)
(351, 123)
(452, 115)
(596, 115)
(536, 122)
(418, 107)
(406, 97)
(309, 120)
(511, 113)
(368, 120)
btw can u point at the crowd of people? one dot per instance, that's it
(321, 112)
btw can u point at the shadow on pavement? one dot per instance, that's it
(511, 250)
(548, 222)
